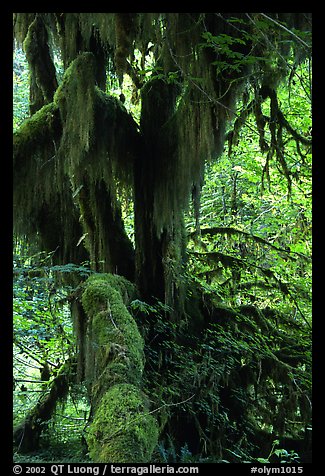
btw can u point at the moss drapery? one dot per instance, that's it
(204, 61)
(43, 82)
(53, 160)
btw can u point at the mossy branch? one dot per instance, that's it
(37, 133)
(27, 434)
(226, 230)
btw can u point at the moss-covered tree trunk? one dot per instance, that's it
(159, 231)
(43, 82)
(122, 428)
(109, 246)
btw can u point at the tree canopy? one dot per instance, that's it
(162, 218)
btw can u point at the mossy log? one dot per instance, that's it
(122, 429)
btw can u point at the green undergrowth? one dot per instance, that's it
(62, 451)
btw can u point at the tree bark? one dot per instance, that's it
(110, 248)
(160, 245)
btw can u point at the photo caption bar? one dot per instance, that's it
(102, 469)
(105, 469)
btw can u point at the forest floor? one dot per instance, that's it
(59, 452)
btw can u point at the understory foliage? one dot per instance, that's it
(162, 220)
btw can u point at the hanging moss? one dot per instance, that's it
(43, 205)
(21, 22)
(33, 153)
(75, 94)
(42, 70)
(118, 141)
(69, 36)
(185, 116)
(36, 132)
(159, 161)
(104, 132)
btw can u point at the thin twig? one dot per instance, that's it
(286, 29)
(172, 404)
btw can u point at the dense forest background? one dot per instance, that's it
(162, 237)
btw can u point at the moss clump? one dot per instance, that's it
(75, 94)
(112, 335)
(123, 431)
(34, 133)
(101, 282)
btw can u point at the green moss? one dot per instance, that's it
(21, 22)
(116, 135)
(43, 81)
(34, 171)
(96, 295)
(125, 287)
(113, 332)
(75, 94)
(34, 132)
(123, 430)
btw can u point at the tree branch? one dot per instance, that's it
(28, 432)
(287, 30)
(258, 239)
